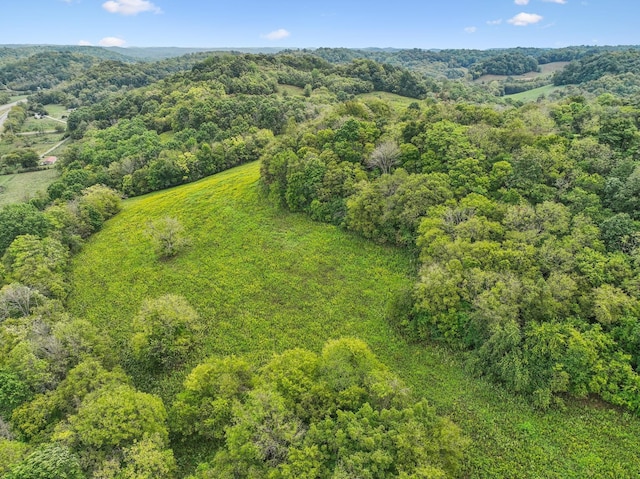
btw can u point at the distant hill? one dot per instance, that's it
(9, 52)
(594, 67)
(161, 53)
(44, 69)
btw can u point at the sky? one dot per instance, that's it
(474, 24)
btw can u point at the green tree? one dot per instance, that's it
(38, 263)
(47, 462)
(36, 419)
(338, 414)
(167, 235)
(13, 392)
(165, 331)
(204, 408)
(111, 418)
(11, 454)
(20, 219)
(148, 459)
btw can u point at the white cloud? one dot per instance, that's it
(561, 2)
(130, 7)
(85, 43)
(111, 42)
(521, 2)
(494, 22)
(471, 29)
(524, 19)
(277, 34)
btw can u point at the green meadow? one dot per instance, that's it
(19, 187)
(534, 94)
(263, 280)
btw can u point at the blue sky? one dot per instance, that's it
(330, 23)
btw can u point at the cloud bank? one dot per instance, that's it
(277, 34)
(111, 42)
(130, 7)
(524, 19)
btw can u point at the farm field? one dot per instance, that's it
(264, 281)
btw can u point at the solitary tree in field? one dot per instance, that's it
(385, 157)
(168, 236)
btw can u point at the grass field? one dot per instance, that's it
(546, 70)
(396, 101)
(44, 124)
(39, 143)
(264, 280)
(57, 111)
(291, 90)
(22, 186)
(533, 95)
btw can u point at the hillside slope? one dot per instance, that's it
(264, 281)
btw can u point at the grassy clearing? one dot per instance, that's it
(264, 281)
(396, 101)
(546, 70)
(57, 111)
(533, 95)
(39, 143)
(43, 124)
(22, 186)
(290, 90)
(18, 97)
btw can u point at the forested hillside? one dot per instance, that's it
(407, 224)
(524, 220)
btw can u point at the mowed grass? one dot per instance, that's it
(57, 111)
(264, 281)
(23, 186)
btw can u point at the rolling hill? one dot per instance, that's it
(264, 281)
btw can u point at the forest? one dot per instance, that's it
(516, 225)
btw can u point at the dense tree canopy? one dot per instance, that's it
(525, 222)
(337, 414)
